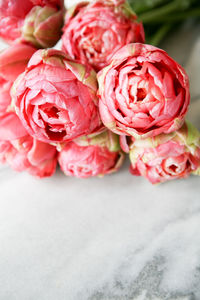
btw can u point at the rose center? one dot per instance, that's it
(55, 128)
(173, 168)
(52, 112)
(98, 41)
(141, 94)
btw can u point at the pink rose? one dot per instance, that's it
(17, 148)
(38, 22)
(28, 154)
(13, 61)
(143, 92)
(167, 157)
(94, 31)
(55, 98)
(88, 157)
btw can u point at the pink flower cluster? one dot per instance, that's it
(55, 108)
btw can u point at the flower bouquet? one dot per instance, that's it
(105, 94)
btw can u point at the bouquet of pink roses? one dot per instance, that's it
(105, 94)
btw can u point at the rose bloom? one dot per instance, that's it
(143, 92)
(55, 98)
(13, 61)
(38, 22)
(88, 157)
(167, 157)
(94, 31)
(27, 154)
(17, 148)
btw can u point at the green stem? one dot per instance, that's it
(141, 6)
(177, 17)
(160, 34)
(158, 12)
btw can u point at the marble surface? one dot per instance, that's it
(115, 238)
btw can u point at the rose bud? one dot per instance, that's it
(55, 98)
(28, 154)
(86, 157)
(42, 26)
(94, 31)
(167, 156)
(143, 92)
(13, 61)
(38, 22)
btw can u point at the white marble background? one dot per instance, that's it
(115, 238)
